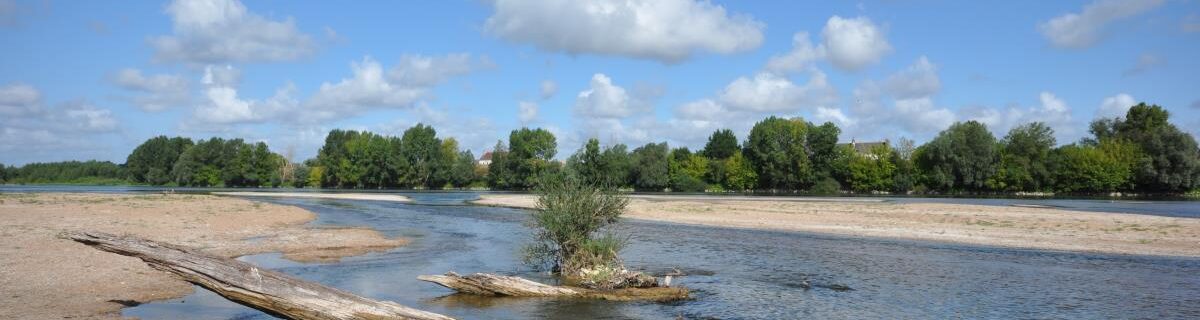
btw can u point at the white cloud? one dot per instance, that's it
(1115, 106)
(367, 88)
(89, 118)
(605, 100)
(226, 76)
(1052, 111)
(418, 70)
(802, 56)
(1084, 29)
(921, 116)
(1145, 62)
(918, 80)
(852, 44)
(527, 111)
(19, 99)
(30, 131)
(224, 106)
(159, 92)
(703, 109)
(217, 31)
(768, 92)
(548, 89)
(664, 30)
(834, 115)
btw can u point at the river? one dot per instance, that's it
(734, 273)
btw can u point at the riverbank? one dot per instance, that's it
(1014, 227)
(44, 277)
(318, 195)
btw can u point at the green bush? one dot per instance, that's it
(568, 223)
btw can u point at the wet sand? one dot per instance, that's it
(44, 277)
(1014, 227)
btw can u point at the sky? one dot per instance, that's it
(84, 80)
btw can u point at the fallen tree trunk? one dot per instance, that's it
(497, 285)
(266, 290)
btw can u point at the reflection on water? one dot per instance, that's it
(735, 274)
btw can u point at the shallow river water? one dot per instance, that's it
(734, 273)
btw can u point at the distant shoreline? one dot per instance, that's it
(318, 195)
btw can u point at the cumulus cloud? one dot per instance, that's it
(664, 30)
(218, 31)
(29, 130)
(603, 99)
(853, 44)
(1144, 63)
(158, 92)
(422, 71)
(19, 100)
(912, 110)
(1115, 106)
(1086, 28)
(918, 80)
(366, 88)
(527, 111)
(768, 92)
(802, 56)
(548, 89)
(1052, 111)
(222, 104)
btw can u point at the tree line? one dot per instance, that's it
(1141, 152)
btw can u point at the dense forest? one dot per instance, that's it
(1139, 153)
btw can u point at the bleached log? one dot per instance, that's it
(487, 284)
(270, 291)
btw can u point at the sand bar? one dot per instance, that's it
(1016, 227)
(43, 277)
(319, 195)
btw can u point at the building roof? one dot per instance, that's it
(487, 156)
(864, 147)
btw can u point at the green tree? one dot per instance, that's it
(531, 153)
(687, 171)
(1169, 161)
(960, 158)
(616, 166)
(152, 161)
(587, 163)
(463, 170)
(721, 145)
(1091, 168)
(422, 151)
(650, 167)
(873, 171)
(202, 164)
(776, 149)
(822, 148)
(739, 174)
(498, 175)
(1024, 154)
(906, 175)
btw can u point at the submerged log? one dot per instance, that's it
(497, 285)
(270, 291)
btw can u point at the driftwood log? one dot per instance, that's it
(270, 291)
(487, 284)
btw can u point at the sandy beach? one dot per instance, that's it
(43, 277)
(1016, 227)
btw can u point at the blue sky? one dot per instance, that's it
(92, 79)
